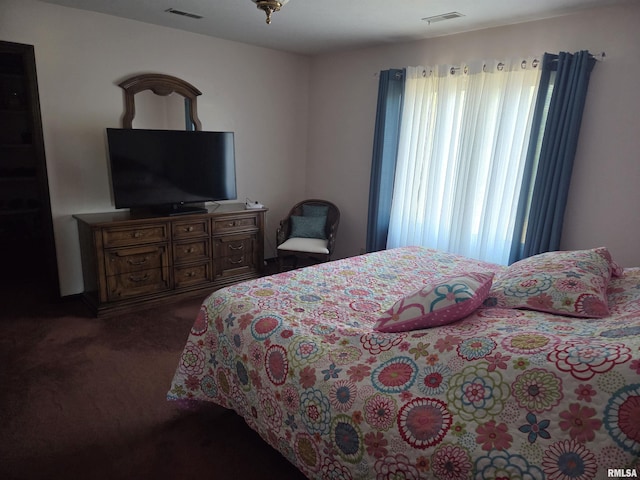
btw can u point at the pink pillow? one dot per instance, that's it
(451, 299)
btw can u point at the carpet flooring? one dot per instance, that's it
(85, 398)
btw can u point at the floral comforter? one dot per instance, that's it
(503, 393)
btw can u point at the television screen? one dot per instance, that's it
(170, 167)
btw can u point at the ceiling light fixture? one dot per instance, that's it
(269, 6)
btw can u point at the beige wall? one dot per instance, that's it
(605, 189)
(82, 56)
(313, 135)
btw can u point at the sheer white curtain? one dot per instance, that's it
(463, 143)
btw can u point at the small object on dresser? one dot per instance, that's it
(249, 204)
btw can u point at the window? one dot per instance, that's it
(462, 149)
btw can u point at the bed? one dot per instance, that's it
(541, 380)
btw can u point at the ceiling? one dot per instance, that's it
(312, 27)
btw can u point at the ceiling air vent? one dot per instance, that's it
(442, 17)
(184, 14)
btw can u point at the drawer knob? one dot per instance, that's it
(191, 274)
(236, 262)
(138, 262)
(236, 247)
(139, 279)
(137, 234)
(189, 250)
(189, 229)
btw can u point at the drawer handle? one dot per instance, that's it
(136, 234)
(236, 262)
(189, 250)
(188, 229)
(231, 224)
(191, 274)
(139, 279)
(236, 247)
(140, 262)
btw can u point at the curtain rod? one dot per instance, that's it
(599, 57)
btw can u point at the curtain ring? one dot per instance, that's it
(535, 63)
(452, 71)
(424, 73)
(523, 65)
(500, 66)
(466, 69)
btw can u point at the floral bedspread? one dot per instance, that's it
(503, 393)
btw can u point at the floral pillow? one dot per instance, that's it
(616, 269)
(572, 283)
(449, 300)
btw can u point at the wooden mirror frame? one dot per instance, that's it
(162, 85)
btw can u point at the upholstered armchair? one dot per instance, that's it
(309, 232)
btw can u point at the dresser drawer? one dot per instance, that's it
(232, 224)
(142, 233)
(135, 259)
(188, 252)
(188, 275)
(190, 229)
(235, 265)
(134, 284)
(232, 245)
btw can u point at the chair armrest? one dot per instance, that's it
(282, 233)
(332, 238)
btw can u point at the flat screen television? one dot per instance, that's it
(170, 170)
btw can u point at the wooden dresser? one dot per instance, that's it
(139, 259)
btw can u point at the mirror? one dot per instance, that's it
(160, 101)
(161, 113)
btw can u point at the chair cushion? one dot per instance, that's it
(315, 210)
(308, 227)
(311, 245)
